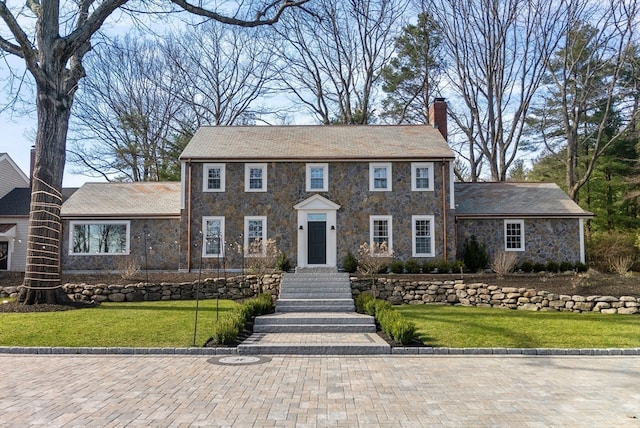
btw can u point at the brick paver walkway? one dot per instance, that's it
(393, 391)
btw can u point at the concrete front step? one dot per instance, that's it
(314, 344)
(301, 295)
(315, 305)
(314, 322)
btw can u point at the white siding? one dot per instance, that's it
(18, 256)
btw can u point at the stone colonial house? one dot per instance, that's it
(318, 191)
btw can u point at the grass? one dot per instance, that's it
(170, 324)
(459, 327)
(135, 324)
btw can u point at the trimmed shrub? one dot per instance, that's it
(225, 331)
(539, 267)
(552, 267)
(428, 266)
(412, 266)
(458, 266)
(474, 254)
(260, 305)
(444, 266)
(403, 331)
(362, 300)
(566, 266)
(581, 267)
(350, 263)
(396, 266)
(526, 266)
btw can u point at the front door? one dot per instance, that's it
(4, 255)
(317, 242)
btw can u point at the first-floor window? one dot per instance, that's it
(99, 237)
(380, 233)
(514, 235)
(255, 232)
(213, 236)
(422, 231)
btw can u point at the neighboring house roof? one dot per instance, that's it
(11, 176)
(18, 201)
(514, 200)
(150, 199)
(333, 142)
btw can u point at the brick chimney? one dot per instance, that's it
(438, 115)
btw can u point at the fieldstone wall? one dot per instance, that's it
(235, 288)
(400, 291)
(395, 290)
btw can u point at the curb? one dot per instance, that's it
(16, 350)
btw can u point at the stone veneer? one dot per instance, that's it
(546, 239)
(348, 186)
(394, 290)
(162, 242)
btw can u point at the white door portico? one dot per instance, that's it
(317, 229)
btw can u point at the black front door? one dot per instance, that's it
(4, 255)
(317, 242)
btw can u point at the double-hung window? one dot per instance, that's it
(514, 235)
(421, 176)
(317, 177)
(422, 233)
(379, 177)
(213, 177)
(381, 233)
(213, 236)
(91, 237)
(255, 235)
(255, 177)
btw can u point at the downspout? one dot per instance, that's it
(188, 196)
(444, 211)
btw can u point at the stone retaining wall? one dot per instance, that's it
(399, 291)
(395, 290)
(234, 288)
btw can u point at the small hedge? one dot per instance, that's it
(390, 321)
(228, 327)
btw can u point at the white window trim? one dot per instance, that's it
(247, 177)
(372, 167)
(431, 219)
(205, 177)
(127, 249)
(246, 233)
(325, 177)
(204, 237)
(522, 242)
(390, 225)
(414, 176)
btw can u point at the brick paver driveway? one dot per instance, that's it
(394, 391)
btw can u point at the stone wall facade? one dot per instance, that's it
(397, 291)
(348, 186)
(545, 239)
(153, 244)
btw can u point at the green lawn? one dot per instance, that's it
(459, 327)
(170, 324)
(135, 324)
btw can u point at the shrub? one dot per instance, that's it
(261, 305)
(552, 267)
(621, 265)
(225, 331)
(608, 248)
(428, 266)
(581, 267)
(566, 266)
(539, 267)
(412, 266)
(443, 266)
(503, 263)
(403, 331)
(369, 307)
(283, 264)
(396, 266)
(458, 266)
(474, 254)
(350, 263)
(526, 266)
(362, 300)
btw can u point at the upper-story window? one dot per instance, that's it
(317, 177)
(379, 177)
(214, 177)
(422, 176)
(255, 177)
(514, 235)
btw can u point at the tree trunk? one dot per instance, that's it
(42, 282)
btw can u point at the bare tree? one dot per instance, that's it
(496, 51)
(127, 116)
(52, 38)
(591, 101)
(334, 58)
(226, 70)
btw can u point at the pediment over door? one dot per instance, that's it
(317, 202)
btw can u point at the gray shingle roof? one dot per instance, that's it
(348, 142)
(124, 200)
(514, 199)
